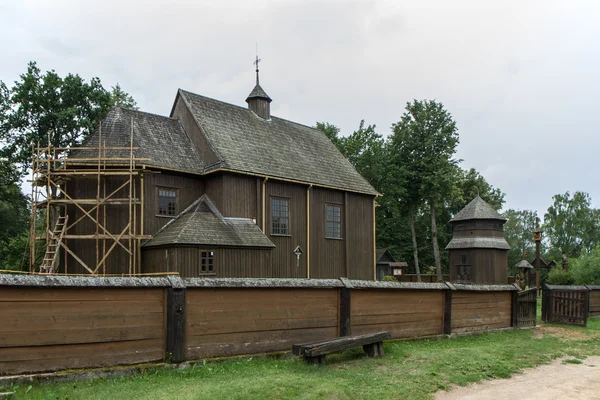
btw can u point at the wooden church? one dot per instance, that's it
(225, 191)
(478, 251)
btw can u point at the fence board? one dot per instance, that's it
(474, 311)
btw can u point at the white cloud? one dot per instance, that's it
(520, 77)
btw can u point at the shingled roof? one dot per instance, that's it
(161, 139)
(477, 209)
(258, 92)
(276, 147)
(478, 243)
(202, 224)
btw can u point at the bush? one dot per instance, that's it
(558, 276)
(389, 278)
(586, 269)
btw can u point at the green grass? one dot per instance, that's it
(410, 370)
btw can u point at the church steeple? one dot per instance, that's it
(258, 101)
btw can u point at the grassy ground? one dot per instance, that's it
(410, 370)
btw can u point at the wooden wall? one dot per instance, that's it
(114, 217)
(48, 329)
(228, 262)
(327, 256)
(226, 322)
(424, 278)
(53, 323)
(360, 237)
(283, 260)
(189, 189)
(487, 266)
(406, 313)
(480, 311)
(595, 303)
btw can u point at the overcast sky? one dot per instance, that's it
(520, 77)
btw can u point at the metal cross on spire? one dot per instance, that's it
(256, 63)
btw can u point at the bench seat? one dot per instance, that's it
(315, 352)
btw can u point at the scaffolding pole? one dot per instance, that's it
(107, 222)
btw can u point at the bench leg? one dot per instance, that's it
(315, 360)
(370, 349)
(374, 349)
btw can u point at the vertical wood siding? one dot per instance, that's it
(327, 255)
(46, 329)
(488, 266)
(360, 236)
(480, 311)
(189, 189)
(283, 260)
(239, 196)
(403, 313)
(228, 262)
(227, 322)
(594, 303)
(117, 217)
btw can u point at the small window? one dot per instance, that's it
(463, 260)
(280, 216)
(334, 222)
(167, 201)
(207, 262)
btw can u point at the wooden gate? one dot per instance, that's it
(565, 304)
(526, 308)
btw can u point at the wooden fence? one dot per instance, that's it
(54, 322)
(594, 306)
(570, 304)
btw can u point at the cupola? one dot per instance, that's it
(258, 100)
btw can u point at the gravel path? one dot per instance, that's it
(557, 380)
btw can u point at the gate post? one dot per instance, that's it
(175, 346)
(546, 294)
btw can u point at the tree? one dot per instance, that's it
(586, 269)
(518, 232)
(424, 141)
(121, 98)
(48, 109)
(14, 218)
(571, 225)
(333, 133)
(470, 184)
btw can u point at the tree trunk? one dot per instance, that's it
(436, 248)
(411, 222)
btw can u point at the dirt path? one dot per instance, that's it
(554, 381)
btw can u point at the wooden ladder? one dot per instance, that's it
(53, 245)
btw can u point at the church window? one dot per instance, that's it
(207, 262)
(334, 221)
(167, 201)
(280, 216)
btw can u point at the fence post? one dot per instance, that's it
(175, 345)
(345, 308)
(589, 300)
(586, 305)
(448, 309)
(546, 308)
(514, 310)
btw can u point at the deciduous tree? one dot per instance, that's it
(571, 225)
(49, 109)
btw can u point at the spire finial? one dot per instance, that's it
(256, 63)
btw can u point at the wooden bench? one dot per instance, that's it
(315, 352)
